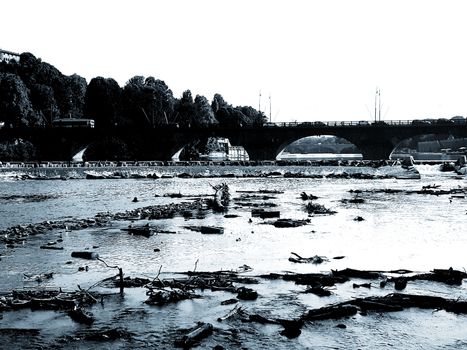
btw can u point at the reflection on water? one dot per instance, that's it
(416, 232)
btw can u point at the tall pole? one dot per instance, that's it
(259, 104)
(376, 100)
(379, 103)
(270, 109)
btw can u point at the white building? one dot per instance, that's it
(8, 56)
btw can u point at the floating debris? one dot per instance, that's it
(195, 335)
(313, 260)
(315, 208)
(206, 229)
(145, 231)
(284, 223)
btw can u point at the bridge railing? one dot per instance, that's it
(362, 123)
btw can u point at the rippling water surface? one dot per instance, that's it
(416, 232)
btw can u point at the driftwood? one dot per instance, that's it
(263, 214)
(40, 277)
(428, 190)
(315, 208)
(241, 204)
(284, 223)
(261, 191)
(51, 247)
(318, 290)
(447, 276)
(354, 200)
(246, 294)
(330, 312)
(70, 302)
(206, 229)
(237, 310)
(85, 255)
(127, 282)
(352, 273)
(307, 197)
(162, 296)
(221, 197)
(145, 231)
(314, 259)
(215, 281)
(80, 315)
(389, 303)
(323, 279)
(195, 335)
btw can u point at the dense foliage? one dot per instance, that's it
(34, 93)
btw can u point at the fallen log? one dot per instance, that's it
(221, 197)
(162, 297)
(314, 259)
(330, 312)
(51, 247)
(206, 229)
(304, 196)
(353, 273)
(284, 223)
(269, 214)
(315, 208)
(145, 231)
(195, 335)
(79, 315)
(237, 310)
(318, 290)
(246, 294)
(85, 255)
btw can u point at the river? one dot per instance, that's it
(413, 231)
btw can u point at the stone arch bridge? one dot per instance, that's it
(265, 142)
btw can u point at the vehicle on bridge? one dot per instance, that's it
(73, 123)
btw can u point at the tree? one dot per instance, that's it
(147, 102)
(77, 87)
(161, 105)
(185, 109)
(43, 102)
(204, 115)
(218, 102)
(102, 102)
(15, 105)
(252, 115)
(132, 101)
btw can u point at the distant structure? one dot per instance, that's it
(8, 56)
(232, 152)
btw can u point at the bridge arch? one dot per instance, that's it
(319, 144)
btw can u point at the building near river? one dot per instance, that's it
(8, 56)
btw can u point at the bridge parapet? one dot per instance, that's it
(364, 123)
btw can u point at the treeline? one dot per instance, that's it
(34, 93)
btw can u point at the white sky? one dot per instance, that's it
(319, 60)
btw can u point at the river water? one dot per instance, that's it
(418, 232)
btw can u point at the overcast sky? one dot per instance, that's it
(319, 60)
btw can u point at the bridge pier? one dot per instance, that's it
(376, 149)
(374, 144)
